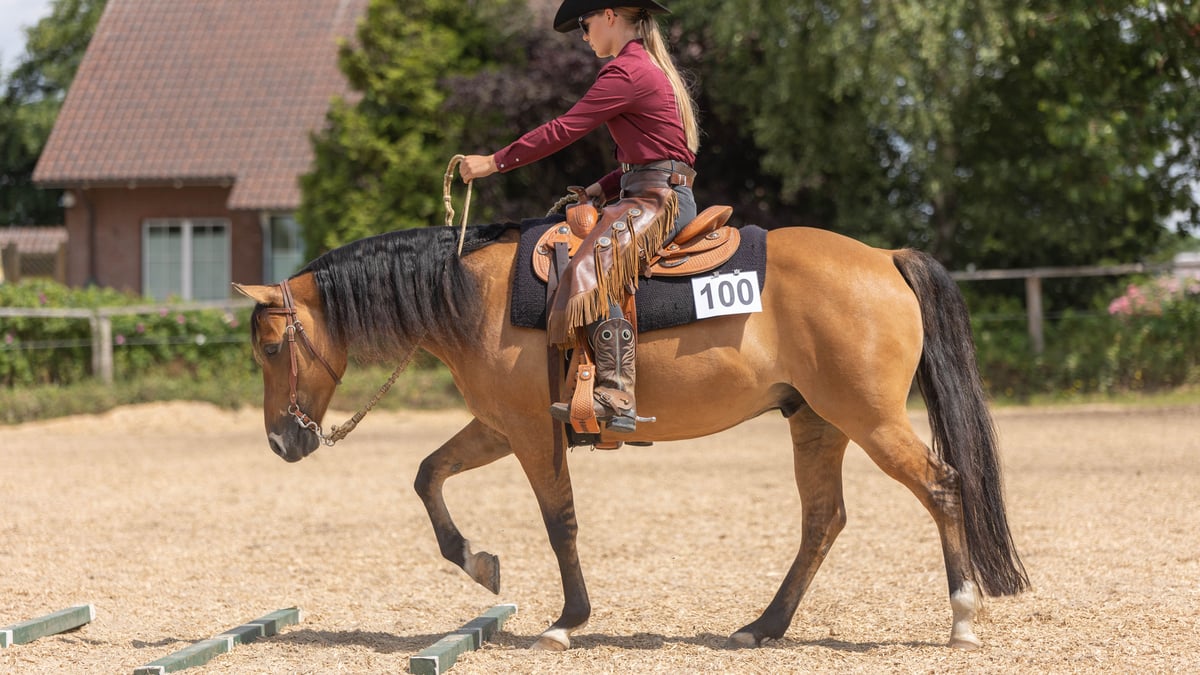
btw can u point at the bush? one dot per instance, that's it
(58, 351)
(1143, 340)
(165, 354)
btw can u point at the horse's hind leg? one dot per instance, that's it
(818, 449)
(897, 449)
(472, 447)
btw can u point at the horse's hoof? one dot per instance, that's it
(484, 568)
(552, 641)
(966, 642)
(741, 640)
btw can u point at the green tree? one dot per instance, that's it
(988, 132)
(32, 96)
(379, 162)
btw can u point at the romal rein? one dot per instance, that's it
(294, 329)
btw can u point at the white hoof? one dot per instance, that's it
(741, 641)
(553, 640)
(965, 642)
(965, 604)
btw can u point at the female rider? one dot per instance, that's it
(642, 99)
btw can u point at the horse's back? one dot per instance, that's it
(813, 270)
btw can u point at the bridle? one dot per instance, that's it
(295, 330)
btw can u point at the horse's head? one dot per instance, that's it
(301, 365)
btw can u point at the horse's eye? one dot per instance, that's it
(272, 349)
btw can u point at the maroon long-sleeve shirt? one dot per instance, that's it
(634, 99)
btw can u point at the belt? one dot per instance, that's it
(678, 173)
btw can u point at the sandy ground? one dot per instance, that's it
(177, 523)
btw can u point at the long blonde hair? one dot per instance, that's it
(656, 47)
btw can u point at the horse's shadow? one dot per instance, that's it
(390, 643)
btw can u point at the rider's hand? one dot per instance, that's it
(477, 166)
(595, 193)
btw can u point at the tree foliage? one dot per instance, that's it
(380, 161)
(990, 133)
(32, 96)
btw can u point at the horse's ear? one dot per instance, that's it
(264, 295)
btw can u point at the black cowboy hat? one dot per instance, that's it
(567, 18)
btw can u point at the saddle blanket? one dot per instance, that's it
(662, 302)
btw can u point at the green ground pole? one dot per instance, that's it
(438, 658)
(58, 622)
(202, 652)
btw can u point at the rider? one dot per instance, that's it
(647, 108)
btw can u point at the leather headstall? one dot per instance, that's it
(293, 330)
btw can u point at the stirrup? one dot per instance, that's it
(623, 424)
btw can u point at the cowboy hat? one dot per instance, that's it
(567, 18)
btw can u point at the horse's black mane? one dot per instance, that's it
(383, 293)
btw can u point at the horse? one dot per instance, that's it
(843, 332)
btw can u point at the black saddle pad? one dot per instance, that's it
(662, 302)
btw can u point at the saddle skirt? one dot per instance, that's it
(662, 301)
(703, 245)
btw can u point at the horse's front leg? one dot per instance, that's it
(472, 447)
(552, 488)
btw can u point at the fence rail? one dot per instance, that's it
(1035, 315)
(100, 320)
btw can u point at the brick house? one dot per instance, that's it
(181, 139)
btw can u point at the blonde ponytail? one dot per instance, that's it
(656, 47)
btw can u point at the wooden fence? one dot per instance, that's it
(101, 319)
(101, 324)
(1034, 314)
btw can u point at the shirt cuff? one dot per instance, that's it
(505, 162)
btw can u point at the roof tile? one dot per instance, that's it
(202, 91)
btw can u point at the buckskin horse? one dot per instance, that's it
(843, 331)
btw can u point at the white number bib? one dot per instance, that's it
(723, 294)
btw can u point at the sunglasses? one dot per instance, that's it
(583, 20)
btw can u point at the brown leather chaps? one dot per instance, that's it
(605, 268)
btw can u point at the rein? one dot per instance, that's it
(446, 180)
(296, 329)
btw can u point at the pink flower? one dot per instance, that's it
(140, 328)
(8, 338)
(120, 339)
(180, 319)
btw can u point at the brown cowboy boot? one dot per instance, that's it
(613, 343)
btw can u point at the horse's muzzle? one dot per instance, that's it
(294, 444)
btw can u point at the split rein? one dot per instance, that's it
(295, 329)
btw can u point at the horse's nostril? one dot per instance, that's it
(276, 446)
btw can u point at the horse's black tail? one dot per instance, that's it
(963, 433)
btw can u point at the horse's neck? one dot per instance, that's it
(473, 337)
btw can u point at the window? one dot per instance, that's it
(284, 253)
(186, 258)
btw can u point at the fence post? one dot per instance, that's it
(10, 263)
(1033, 312)
(102, 348)
(60, 264)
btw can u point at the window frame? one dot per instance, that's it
(187, 253)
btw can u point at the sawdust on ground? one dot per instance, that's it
(177, 523)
